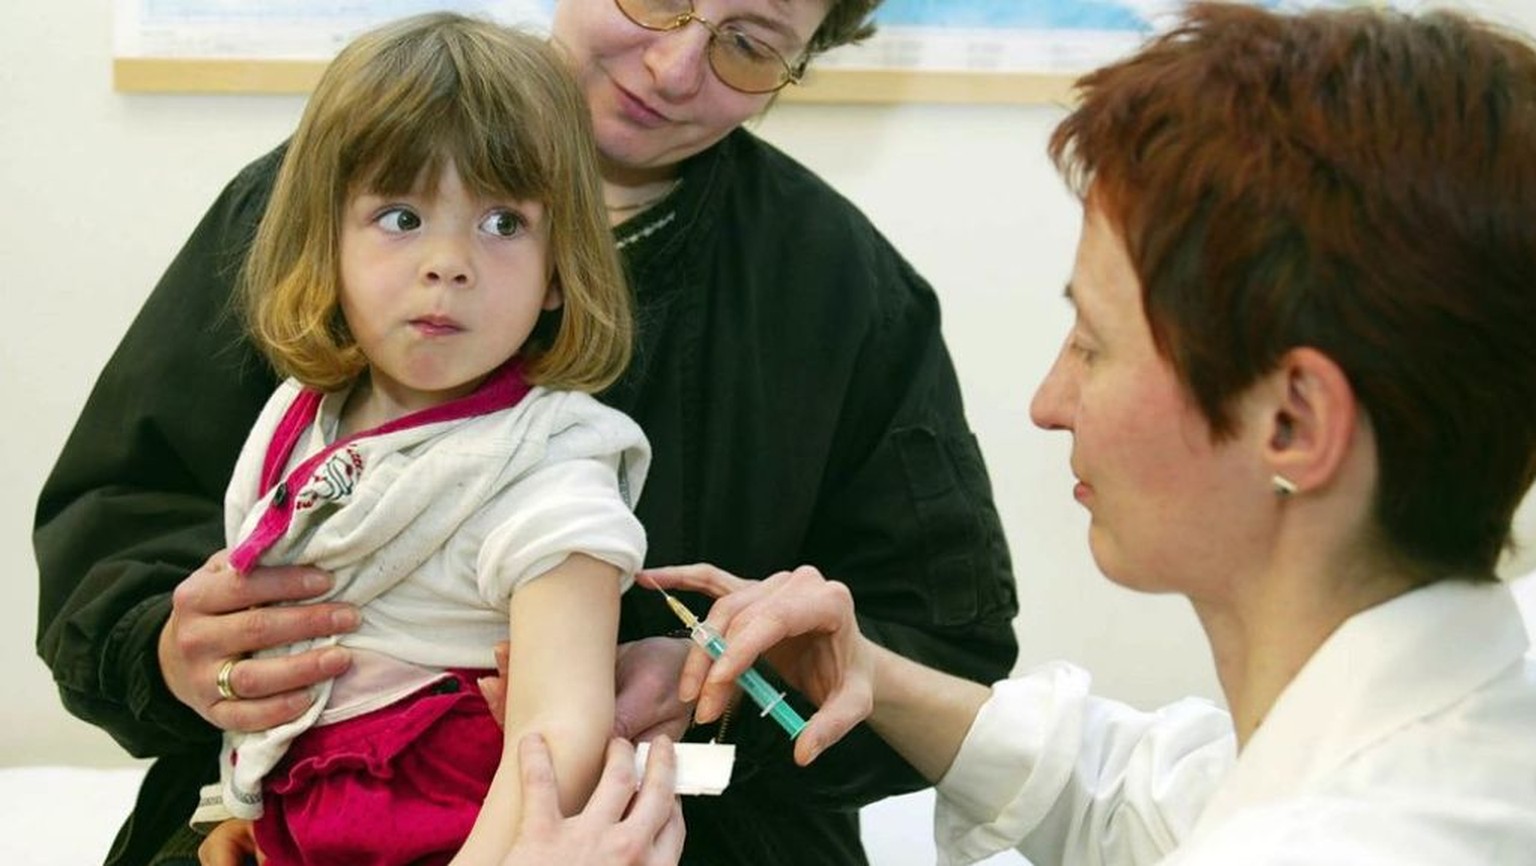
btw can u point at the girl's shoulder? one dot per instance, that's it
(571, 425)
(578, 422)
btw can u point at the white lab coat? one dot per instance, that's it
(1408, 738)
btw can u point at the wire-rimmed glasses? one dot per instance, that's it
(740, 60)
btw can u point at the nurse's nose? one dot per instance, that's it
(1055, 398)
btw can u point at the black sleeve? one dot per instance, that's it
(135, 500)
(906, 519)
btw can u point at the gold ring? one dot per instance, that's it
(226, 688)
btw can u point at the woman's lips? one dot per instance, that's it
(1082, 492)
(638, 111)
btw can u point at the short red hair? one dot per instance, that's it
(1359, 181)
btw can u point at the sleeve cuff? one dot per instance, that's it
(134, 646)
(1014, 762)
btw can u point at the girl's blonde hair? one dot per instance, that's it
(397, 105)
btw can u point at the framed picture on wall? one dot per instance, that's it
(984, 51)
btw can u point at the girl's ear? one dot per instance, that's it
(554, 298)
(1312, 420)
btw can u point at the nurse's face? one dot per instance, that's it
(655, 100)
(1170, 509)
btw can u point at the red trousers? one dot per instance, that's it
(400, 785)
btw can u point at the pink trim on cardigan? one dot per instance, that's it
(300, 414)
(503, 389)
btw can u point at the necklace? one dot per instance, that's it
(645, 202)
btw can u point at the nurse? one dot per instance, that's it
(1301, 391)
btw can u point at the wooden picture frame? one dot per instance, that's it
(853, 86)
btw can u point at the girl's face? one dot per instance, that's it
(1169, 509)
(440, 289)
(654, 99)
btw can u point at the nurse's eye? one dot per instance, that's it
(503, 223)
(1082, 351)
(398, 220)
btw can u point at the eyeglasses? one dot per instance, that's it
(740, 60)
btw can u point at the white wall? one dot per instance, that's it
(99, 188)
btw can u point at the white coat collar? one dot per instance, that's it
(1382, 670)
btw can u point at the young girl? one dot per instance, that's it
(435, 276)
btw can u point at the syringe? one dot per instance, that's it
(757, 688)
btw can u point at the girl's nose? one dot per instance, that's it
(448, 262)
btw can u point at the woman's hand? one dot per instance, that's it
(645, 674)
(618, 826)
(232, 843)
(647, 705)
(219, 616)
(802, 623)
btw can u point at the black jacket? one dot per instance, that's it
(803, 409)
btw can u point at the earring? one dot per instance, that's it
(1283, 486)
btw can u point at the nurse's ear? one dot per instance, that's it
(1311, 421)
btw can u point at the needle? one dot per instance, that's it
(762, 693)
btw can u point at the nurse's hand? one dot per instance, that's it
(802, 623)
(618, 827)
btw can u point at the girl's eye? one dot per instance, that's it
(503, 223)
(1082, 351)
(399, 219)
